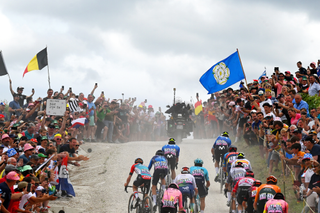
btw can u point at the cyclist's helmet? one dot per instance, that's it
(172, 141)
(239, 164)
(159, 152)
(185, 170)
(279, 196)
(233, 148)
(257, 183)
(272, 179)
(225, 134)
(174, 185)
(241, 155)
(138, 160)
(249, 173)
(198, 161)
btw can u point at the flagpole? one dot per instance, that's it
(242, 69)
(48, 69)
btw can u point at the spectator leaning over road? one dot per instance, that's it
(314, 149)
(5, 190)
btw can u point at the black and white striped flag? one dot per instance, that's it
(74, 106)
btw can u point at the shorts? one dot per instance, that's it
(172, 162)
(312, 199)
(91, 120)
(242, 194)
(139, 181)
(187, 191)
(275, 156)
(219, 152)
(158, 173)
(168, 209)
(242, 121)
(202, 189)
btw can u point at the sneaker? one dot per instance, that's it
(155, 207)
(137, 202)
(216, 179)
(225, 192)
(228, 203)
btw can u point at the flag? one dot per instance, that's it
(64, 181)
(37, 172)
(223, 74)
(78, 122)
(74, 106)
(38, 62)
(3, 70)
(197, 107)
(263, 74)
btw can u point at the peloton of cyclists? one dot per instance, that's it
(171, 152)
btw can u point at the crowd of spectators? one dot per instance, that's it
(34, 144)
(271, 113)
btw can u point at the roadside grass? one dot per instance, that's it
(260, 170)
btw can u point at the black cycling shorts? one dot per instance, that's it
(242, 194)
(139, 181)
(168, 209)
(171, 161)
(219, 152)
(157, 174)
(202, 189)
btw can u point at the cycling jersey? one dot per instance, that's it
(264, 193)
(171, 197)
(140, 170)
(222, 141)
(229, 158)
(245, 162)
(171, 149)
(242, 188)
(252, 195)
(201, 176)
(236, 174)
(159, 162)
(245, 181)
(184, 180)
(276, 206)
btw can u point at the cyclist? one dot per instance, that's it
(266, 192)
(219, 149)
(241, 189)
(235, 174)
(252, 194)
(160, 171)
(187, 185)
(143, 178)
(171, 152)
(245, 162)
(277, 204)
(202, 180)
(171, 198)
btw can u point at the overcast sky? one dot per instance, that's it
(146, 48)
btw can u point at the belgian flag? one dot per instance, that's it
(38, 62)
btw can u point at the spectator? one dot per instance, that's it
(29, 133)
(44, 100)
(28, 151)
(312, 147)
(5, 188)
(294, 116)
(14, 106)
(302, 71)
(2, 112)
(92, 118)
(314, 88)
(300, 104)
(303, 86)
(19, 94)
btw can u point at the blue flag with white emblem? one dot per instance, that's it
(223, 74)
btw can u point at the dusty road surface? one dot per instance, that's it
(98, 183)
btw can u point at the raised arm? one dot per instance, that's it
(11, 90)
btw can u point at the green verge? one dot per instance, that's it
(260, 170)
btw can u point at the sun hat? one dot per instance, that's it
(11, 152)
(41, 155)
(13, 176)
(39, 188)
(22, 185)
(27, 147)
(25, 168)
(5, 136)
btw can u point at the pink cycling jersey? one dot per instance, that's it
(276, 206)
(170, 197)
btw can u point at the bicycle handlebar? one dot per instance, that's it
(125, 188)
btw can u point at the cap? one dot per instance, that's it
(9, 168)
(11, 152)
(34, 140)
(267, 104)
(44, 138)
(39, 188)
(304, 78)
(313, 132)
(307, 156)
(268, 115)
(41, 155)
(261, 92)
(253, 111)
(231, 103)
(297, 130)
(25, 168)
(13, 176)
(22, 185)
(287, 72)
(31, 104)
(1, 116)
(27, 147)
(2, 104)
(150, 107)
(5, 136)
(20, 88)
(309, 138)
(277, 119)
(280, 96)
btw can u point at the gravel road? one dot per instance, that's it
(98, 183)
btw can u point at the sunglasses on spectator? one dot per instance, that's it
(58, 139)
(77, 145)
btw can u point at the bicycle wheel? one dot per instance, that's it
(147, 206)
(159, 198)
(186, 204)
(221, 179)
(168, 178)
(197, 204)
(131, 205)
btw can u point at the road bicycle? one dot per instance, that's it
(137, 205)
(197, 203)
(160, 193)
(222, 176)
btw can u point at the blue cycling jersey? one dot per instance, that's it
(199, 172)
(159, 162)
(171, 149)
(222, 141)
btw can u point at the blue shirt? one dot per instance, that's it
(90, 105)
(223, 141)
(15, 105)
(199, 173)
(159, 162)
(255, 125)
(171, 149)
(314, 89)
(26, 133)
(301, 105)
(25, 159)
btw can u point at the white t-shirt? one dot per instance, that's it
(261, 105)
(25, 198)
(308, 175)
